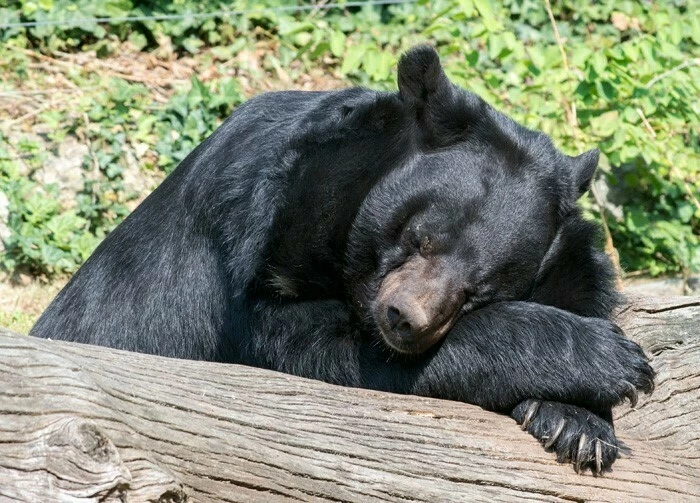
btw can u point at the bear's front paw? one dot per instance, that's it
(575, 434)
(617, 365)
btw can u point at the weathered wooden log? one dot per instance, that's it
(82, 423)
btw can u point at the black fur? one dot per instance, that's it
(269, 244)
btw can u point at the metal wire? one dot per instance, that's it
(200, 15)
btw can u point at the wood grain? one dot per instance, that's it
(82, 423)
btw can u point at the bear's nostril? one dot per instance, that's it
(393, 316)
(398, 323)
(403, 330)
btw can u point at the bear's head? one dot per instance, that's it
(466, 221)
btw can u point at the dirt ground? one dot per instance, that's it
(21, 305)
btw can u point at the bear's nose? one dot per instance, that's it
(404, 321)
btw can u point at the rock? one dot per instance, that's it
(65, 170)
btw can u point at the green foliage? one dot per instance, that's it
(629, 86)
(45, 238)
(192, 116)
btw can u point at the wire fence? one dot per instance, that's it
(201, 15)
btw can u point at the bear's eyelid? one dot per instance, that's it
(412, 239)
(422, 243)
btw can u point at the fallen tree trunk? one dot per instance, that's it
(82, 423)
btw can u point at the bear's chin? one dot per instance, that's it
(418, 344)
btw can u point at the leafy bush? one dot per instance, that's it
(45, 238)
(624, 76)
(192, 116)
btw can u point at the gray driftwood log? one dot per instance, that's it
(81, 423)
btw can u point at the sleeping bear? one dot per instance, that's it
(415, 242)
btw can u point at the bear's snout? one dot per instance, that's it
(417, 304)
(406, 317)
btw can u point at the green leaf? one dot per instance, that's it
(676, 32)
(606, 124)
(487, 15)
(338, 41)
(599, 62)
(579, 55)
(467, 7)
(192, 44)
(353, 58)
(138, 39)
(695, 29)
(685, 212)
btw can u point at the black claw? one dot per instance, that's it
(580, 453)
(632, 395)
(531, 411)
(555, 434)
(598, 456)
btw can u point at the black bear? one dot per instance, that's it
(415, 242)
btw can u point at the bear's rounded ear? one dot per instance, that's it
(421, 74)
(583, 168)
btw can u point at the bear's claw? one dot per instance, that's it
(580, 456)
(632, 395)
(577, 435)
(554, 436)
(598, 456)
(531, 411)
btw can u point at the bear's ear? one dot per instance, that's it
(583, 168)
(421, 75)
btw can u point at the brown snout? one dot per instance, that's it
(418, 303)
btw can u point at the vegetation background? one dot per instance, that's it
(93, 114)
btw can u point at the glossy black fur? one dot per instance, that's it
(268, 243)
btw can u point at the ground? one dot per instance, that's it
(21, 304)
